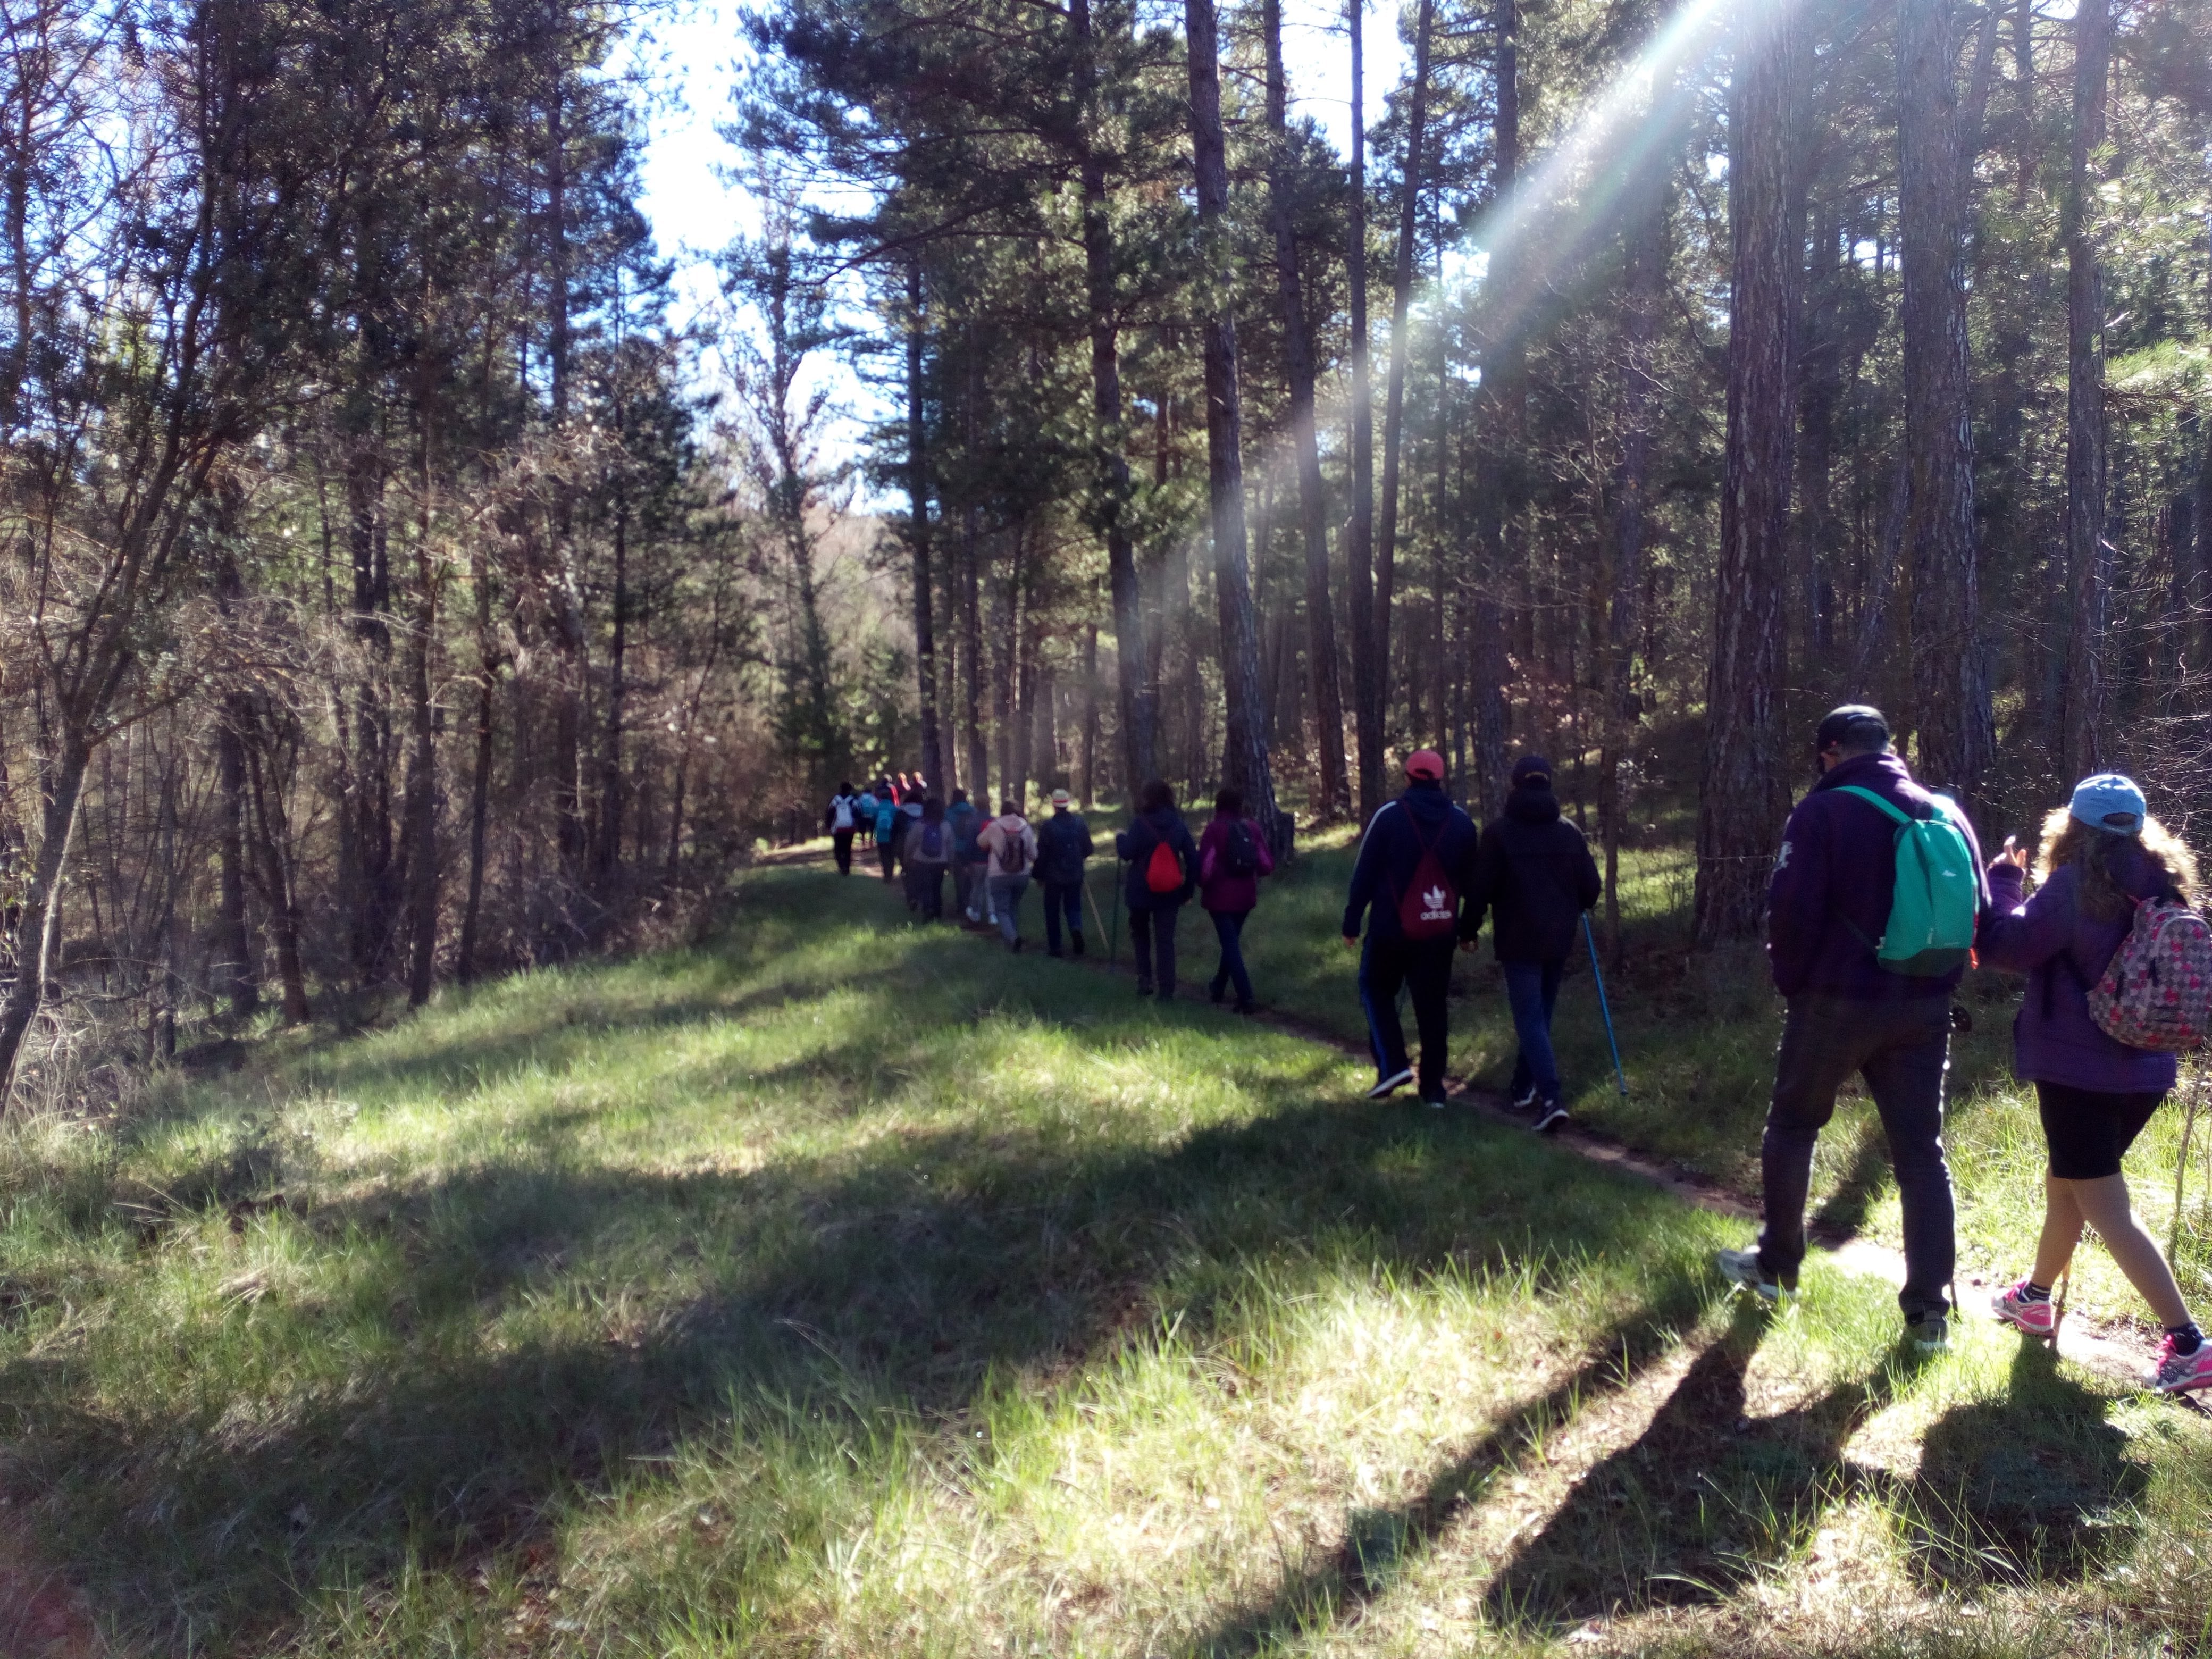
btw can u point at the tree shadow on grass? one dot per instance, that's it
(468, 1353)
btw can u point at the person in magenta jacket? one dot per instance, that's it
(2103, 853)
(1232, 856)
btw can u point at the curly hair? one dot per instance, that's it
(2067, 840)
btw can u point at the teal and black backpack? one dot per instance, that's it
(1931, 915)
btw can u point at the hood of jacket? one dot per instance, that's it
(1527, 805)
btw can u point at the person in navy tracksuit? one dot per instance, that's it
(1423, 817)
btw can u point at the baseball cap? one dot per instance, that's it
(1061, 798)
(2110, 803)
(1531, 766)
(1425, 763)
(1859, 724)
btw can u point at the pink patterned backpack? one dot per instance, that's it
(2158, 991)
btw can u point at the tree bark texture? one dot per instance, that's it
(1244, 761)
(1360, 539)
(1138, 709)
(1498, 438)
(1743, 798)
(1332, 792)
(2085, 399)
(1393, 397)
(1951, 715)
(917, 490)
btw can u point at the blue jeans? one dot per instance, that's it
(1901, 1049)
(1228, 927)
(1006, 899)
(1531, 989)
(1062, 900)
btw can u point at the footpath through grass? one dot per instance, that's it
(852, 1287)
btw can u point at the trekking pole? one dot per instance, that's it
(1092, 902)
(1598, 974)
(2193, 1090)
(1114, 934)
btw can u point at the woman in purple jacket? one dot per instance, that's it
(2102, 853)
(1229, 865)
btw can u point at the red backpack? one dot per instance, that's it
(1164, 870)
(1429, 907)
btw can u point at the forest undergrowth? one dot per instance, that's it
(845, 1285)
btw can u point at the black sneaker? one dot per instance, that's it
(1525, 1099)
(1015, 947)
(1075, 944)
(1549, 1115)
(1144, 987)
(1929, 1333)
(1390, 1084)
(1217, 993)
(1433, 1098)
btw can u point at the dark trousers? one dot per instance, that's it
(1229, 928)
(1424, 968)
(888, 851)
(967, 886)
(1063, 901)
(840, 843)
(1901, 1049)
(925, 890)
(1531, 991)
(1153, 933)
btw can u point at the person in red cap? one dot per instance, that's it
(1416, 863)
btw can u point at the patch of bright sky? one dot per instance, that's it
(697, 54)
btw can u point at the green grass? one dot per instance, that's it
(854, 1287)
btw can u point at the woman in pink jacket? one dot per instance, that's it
(1232, 856)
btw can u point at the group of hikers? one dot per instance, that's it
(1878, 900)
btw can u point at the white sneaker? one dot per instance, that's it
(1742, 1269)
(1390, 1086)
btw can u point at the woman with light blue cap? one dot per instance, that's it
(2102, 853)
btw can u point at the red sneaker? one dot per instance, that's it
(2011, 1305)
(2179, 1373)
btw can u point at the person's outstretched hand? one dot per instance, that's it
(2012, 853)
(1351, 941)
(1468, 944)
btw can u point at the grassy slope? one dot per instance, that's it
(852, 1287)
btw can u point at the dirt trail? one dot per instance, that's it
(2109, 1355)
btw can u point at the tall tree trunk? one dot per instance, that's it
(278, 890)
(1359, 551)
(1393, 397)
(1741, 796)
(1642, 278)
(232, 975)
(1950, 677)
(480, 774)
(607, 853)
(1332, 795)
(1090, 716)
(2085, 397)
(567, 597)
(37, 922)
(1139, 717)
(917, 495)
(421, 802)
(1497, 435)
(1244, 762)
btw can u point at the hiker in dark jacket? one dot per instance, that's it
(1534, 875)
(1828, 902)
(1421, 824)
(1153, 907)
(886, 822)
(2102, 853)
(1063, 847)
(1232, 856)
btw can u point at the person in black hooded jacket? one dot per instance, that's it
(1534, 875)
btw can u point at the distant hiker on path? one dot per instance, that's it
(1417, 864)
(2104, 857)
(1866, 963)
(1063, 847)
(1012, 847)
(928, 853)
(841, 820)
(1534, 875)
(965, 822)
(1163, 862)
(886, 822)
(1232, 856)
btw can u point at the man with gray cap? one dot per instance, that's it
(1852, 1011)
